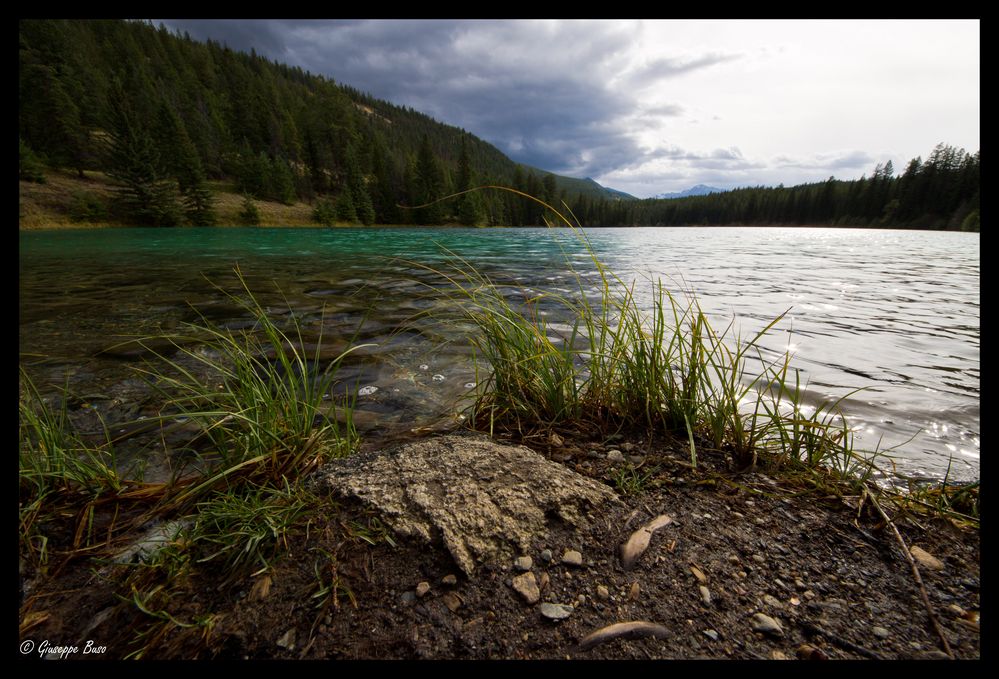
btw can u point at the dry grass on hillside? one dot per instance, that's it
(49, 205)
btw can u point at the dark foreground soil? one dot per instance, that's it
(833, 577)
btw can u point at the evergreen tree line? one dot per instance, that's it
(942, 192)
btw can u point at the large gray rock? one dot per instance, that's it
(486, 501)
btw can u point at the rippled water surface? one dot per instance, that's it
(893, 312)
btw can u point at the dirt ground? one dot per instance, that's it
(739, 544)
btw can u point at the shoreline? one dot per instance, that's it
(739, 545)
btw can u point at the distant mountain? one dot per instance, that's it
(699, 190)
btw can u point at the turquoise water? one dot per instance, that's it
(893, 312)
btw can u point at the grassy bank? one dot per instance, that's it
(67, 201)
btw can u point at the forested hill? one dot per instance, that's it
(162, 114)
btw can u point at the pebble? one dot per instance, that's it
(438, 378)
(880, 632)
(777, 655)
(809, 652)
(634, 591)
(543, 581)
(772, 601)
(925, 559)
(572, 558)
(581, 600)
(603, 592)
(711, 634)
(705, 595)
(527, 587)
(555, 611)
(422, 589)
(452, 601)
(615, 456)
(767, 625)
(523, 563)
(758, 558)
(287, 640)
(408, 597)
(449, 580)
(699, 574)
(367, 391)
(546, 555)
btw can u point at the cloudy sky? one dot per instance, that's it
(649, 107)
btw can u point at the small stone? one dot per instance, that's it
(808, 594)
(367, 390)
(543, 581)
(452, 601)
(572, 558)
(957, 610)
(555, 611)
(799, 585)
(699, 574)
(772, 601)
(422, 589)
(603, 592)
(546, 556)
(705, 595)
(261, 588)
(449, 580)
(408, 597)
(581, 600)
(880, 632)
(523, 563)
(615, 456)
(925, 559)
(527, 587)
(711, 634)
(809, 652)
(758, 558)
(767, 625)
(634, 591)
(438, 378)
(628, 447)
(777, 655)
(287, 640)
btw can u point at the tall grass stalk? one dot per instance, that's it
(262, 403)
(56, 469)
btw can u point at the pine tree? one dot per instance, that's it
(469, 204)
(429, 185)
(147, 196)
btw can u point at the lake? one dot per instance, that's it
(893, 313)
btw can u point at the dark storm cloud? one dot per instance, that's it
(537, 90)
